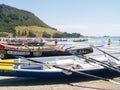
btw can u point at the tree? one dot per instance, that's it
(45, 34)
(31, 34)
(58, 35)
(18, 33)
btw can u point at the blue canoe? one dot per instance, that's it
(25, 68)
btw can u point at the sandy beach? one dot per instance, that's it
(78, 83)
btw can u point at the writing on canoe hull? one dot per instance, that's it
(18, 53)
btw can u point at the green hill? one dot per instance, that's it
(13, 20)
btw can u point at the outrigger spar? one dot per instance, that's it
(106, 65)
(105, 52)
(89, 59)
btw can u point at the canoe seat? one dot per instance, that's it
(65, 62)
(102, 59)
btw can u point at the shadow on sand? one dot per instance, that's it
(35, 81)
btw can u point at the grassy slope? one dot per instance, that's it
(35, 29)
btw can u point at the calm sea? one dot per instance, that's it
(114, 41)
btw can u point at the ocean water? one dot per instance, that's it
(101, 42)
(114, 41)
(98, 41)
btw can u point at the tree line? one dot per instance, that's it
(62, 35)
(44, 34)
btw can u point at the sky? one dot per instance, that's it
(88, 17)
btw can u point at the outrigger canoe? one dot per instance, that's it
(10, 51)
(52, 67)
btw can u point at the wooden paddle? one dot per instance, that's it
(24, 63)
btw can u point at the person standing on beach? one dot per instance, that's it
(56, 41)
(109, 42)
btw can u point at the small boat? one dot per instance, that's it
(54, 39)
(48, 67)
(10, 51)
(35, 43)
(29, 47)
(80, 40)
(11, 42)
(18, 42)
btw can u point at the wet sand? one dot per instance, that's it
(78, 83)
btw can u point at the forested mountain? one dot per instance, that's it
(11, 17)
